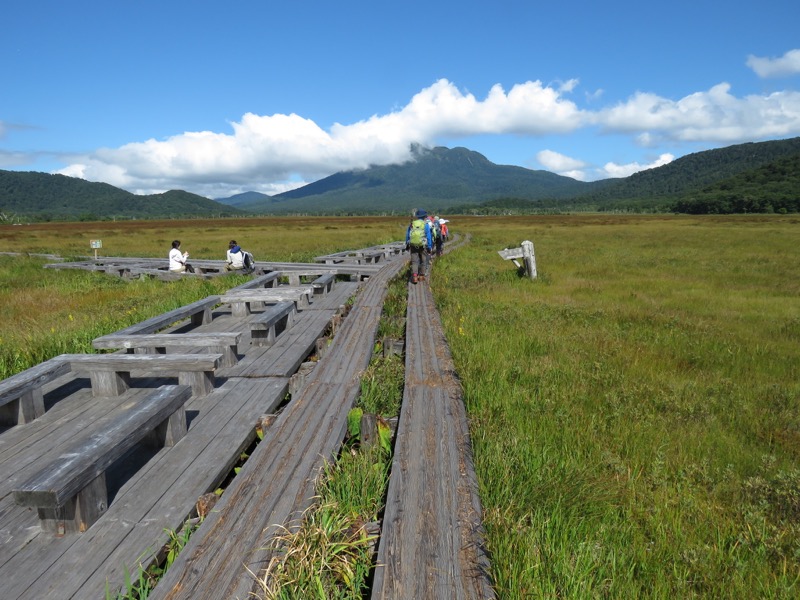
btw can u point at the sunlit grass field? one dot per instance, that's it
(45, 312)
(635, 411)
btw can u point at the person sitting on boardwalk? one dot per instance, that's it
(177, 259)
(235, 257)
(419, 242)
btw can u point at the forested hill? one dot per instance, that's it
(687, 176)
(774, 187)
(436, 177)
(58, 197)
(753, 177)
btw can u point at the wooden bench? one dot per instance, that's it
(21, 398)
(268, 280)
(199, 312)
(264, 328)
(324, 283)
(110, 374)
(70, 492)
(224, 343)
(240, 300)
(357, 256)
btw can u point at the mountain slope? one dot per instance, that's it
(61, 197)
(692, 172)
(243, 199)
(774, 187)
(746, 177)
(437, 178)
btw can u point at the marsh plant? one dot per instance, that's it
(635, 411)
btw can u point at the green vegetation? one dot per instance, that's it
(773, 188)
(44, 197)
(79, 306)
(140, 586)
(330, 553)
(635, 410)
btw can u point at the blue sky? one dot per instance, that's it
(220, 98)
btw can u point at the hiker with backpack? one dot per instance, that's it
(419, 241)
(439, 239)
(238, 259)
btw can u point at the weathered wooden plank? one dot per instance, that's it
(289, 351)
(232, 543)
(241, 299)
(21, 396)
(198, 312)
(159, 498)
(111, 373)
(64, 478)
(337, 297)
(264, 328)
(433, 487)
(324, 283)
(25, 449)
(223, 343)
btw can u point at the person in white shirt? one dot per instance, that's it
(235, 257)
(177, 259)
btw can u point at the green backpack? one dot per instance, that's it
(417, 236)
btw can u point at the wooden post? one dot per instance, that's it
(525, 252)
(530, 258)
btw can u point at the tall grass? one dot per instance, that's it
(330, 552)
(46, 312)
(634, 411)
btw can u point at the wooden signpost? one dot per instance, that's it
(95, 244)
(525, 252)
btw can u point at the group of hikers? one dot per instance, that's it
(425, 238)
(236, 259)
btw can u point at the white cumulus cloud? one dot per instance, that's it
(557, 162)
(611, 169)
(715, 115)
(784, 66)
(264, 153)
(274, 153)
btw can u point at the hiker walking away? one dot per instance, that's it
(437, 228)
(445, 231)
(177, 259)
(419, 241)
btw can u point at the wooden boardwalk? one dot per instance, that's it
(431, 544)
(277, 483)
(149, 493)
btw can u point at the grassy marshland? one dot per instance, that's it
(635, 412)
